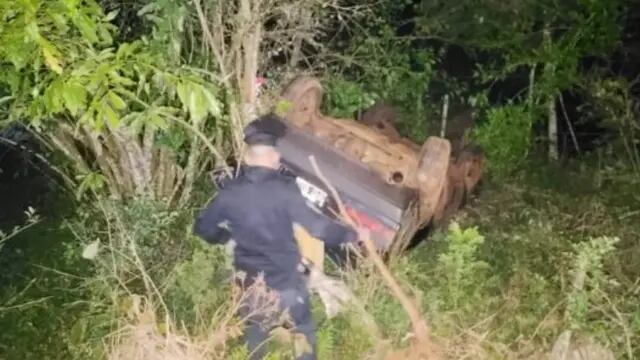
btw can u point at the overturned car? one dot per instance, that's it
(387, 183)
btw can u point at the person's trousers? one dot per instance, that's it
(296, 302)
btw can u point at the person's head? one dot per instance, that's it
(261, 136)
(262, 155)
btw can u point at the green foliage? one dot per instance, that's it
(93, 182)
(32, 219)
(509, 272)
(345, 98)
(327, 336)
(51, 30)
(101, 88)
(168, 18)
(506, 41)
(379, 65)
(505, 137)
(132, 238)
(544, 238)
(514, 33)
(38, 301)
(384, 307)
(239, 353)
(349, 339)
(588, 278)
(611, 102)
(144, 251)
(460, 267)
(515, 273)
(201, 284)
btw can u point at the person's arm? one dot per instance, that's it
(212, 225)
(320, 226)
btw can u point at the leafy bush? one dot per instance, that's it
(345, 98)
(151, 233)
(611, 102)
(129, 120)
(540, 238)
(130, 248)
(505, 138)
(379, 65)
(201, 284)
(461, 272)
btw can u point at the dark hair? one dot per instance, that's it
(265, 130)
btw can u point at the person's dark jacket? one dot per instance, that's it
(257, 210)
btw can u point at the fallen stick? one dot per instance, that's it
(419, 325)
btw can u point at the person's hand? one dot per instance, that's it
(221, 176)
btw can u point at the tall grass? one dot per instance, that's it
(529, 271)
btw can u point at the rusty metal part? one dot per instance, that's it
(432, 177)
(442, 182)
(395, 161)
(382, 117)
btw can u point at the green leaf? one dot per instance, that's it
(158, 121)
(213, 103)
(116, 101)
(130, 117)
(126, 93)
(98, 121)
(19, 56)
(183, 94)
(75, 97)
(59, 20)
(116, 78)
(195, 101)
(87, 117)
(53, 100)
(197, 104)
(32, 30)
(112, 117)
(91, 181)
(111, 15)
(147, 9)
(105, 34)
(51, 60)
(87, 27)
(78, 330)
(5, 99)
(123, 51)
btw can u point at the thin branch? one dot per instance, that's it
(420, 328)
(25, 305)
(566, 117)
(209, 37)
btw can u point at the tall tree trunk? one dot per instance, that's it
(552, 128)
(552, 117)
(532, 81)
(249, 22)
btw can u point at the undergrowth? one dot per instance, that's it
(529, 260)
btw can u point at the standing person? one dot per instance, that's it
(257, 210)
